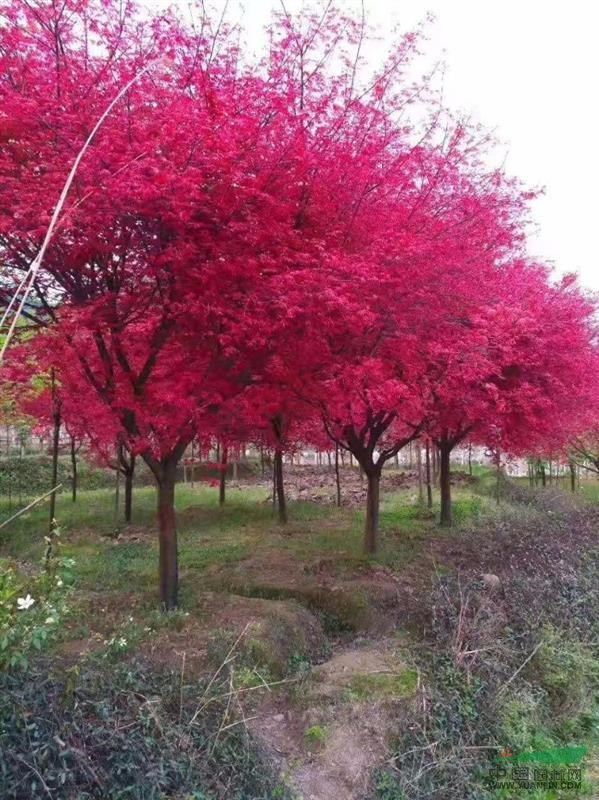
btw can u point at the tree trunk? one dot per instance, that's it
(117, 492)
(168, 567)
(337, 481)
(445, 483)
(20, 470)
(191, 466)
(429, 487)
(572, 466)
(543, 476)
(74, 469)
(371, 529)
(420, 481)
(280, 487)
(470, 460)
(223, 476)
(55, 443)
(129, 490)
(498, 480)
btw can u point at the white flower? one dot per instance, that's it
(23, 603)
(50, 621)
(58, 582)
(122, 642)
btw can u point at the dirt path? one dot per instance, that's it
(331, 732)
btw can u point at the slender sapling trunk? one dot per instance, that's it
(429, 487)
(280, 486)
(222, 476)
(337, 480)
(445, 483)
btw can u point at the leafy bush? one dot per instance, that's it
(121, 731)
(31, 475)
(569, 674)
(495, 678)
(31, 610)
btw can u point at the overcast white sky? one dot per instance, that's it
(528, 69)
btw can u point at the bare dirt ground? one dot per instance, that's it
(331, 734)
(318, 484)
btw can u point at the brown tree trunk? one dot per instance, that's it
(498, 480)
(337, 480)
(420, 481)
(445, 483)
(168, 560)
(129, 490)
(280, 487)
(429, 487)
(55, 444)
(223, 476)
(470, 459)
(191, 466)
(572, 466)
(117, 493)
(371, 529)
(74, 470)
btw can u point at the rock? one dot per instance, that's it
(491, 581)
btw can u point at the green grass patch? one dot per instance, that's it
(378, 686)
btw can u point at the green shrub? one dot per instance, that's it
(315, 737)
(568, 672)
(32, 611)
(120, 732)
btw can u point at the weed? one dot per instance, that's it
(401, 684)
(315, 737)
(125, 734)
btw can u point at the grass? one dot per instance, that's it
(589, 490)
(211, 536)
(369, 687)
(116, 590)
(315, 737)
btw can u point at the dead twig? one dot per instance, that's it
(520, 668)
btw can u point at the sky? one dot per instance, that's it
(528, 70)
